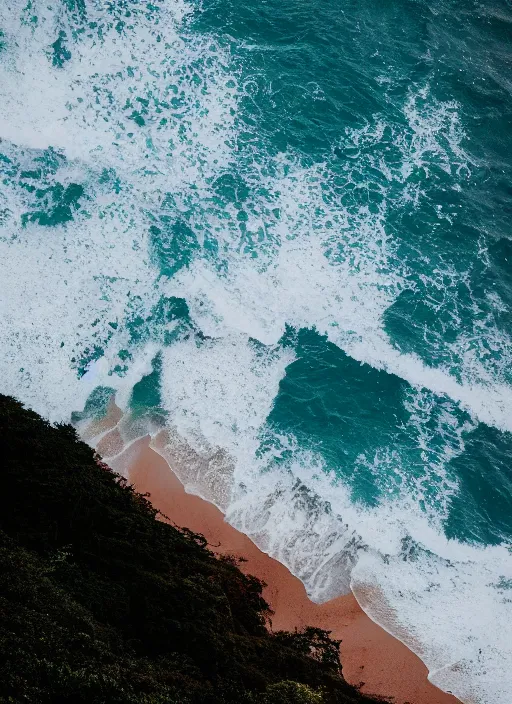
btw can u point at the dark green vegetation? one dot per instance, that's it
(102, 602)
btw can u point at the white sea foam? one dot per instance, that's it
(98, 271)
(304, 259)
(459, 601)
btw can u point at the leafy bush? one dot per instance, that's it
(291, 693)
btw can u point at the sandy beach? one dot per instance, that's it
(371, 658)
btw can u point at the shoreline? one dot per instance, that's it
(382, 665)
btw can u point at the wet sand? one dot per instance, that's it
(370, 657)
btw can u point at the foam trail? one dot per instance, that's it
(303, 290)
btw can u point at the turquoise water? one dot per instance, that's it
(282, 233)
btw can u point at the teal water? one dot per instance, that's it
(282, 233)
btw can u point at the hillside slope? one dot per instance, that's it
(102, 602)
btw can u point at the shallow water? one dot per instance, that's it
(283, 232)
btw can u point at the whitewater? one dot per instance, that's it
(281, 244)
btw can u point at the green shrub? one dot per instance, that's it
(291, 693)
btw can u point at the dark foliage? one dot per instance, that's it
(102, 602)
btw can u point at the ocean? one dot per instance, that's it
(278, 235)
